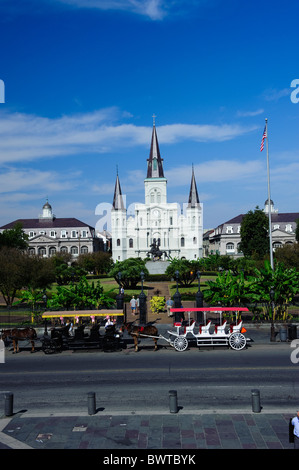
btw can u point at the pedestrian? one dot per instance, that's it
(295, 423)
(71, 328)
(133, 305)
(169, 305)
(137, 305)
(108, 322)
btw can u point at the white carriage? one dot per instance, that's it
(209, 334)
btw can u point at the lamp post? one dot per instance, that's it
(177, 297)
(199, 300)
(120, 296)
(142, 302)
(272, 306)
(45, 298)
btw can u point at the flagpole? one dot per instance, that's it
(269, 199)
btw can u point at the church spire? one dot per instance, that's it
(118, 203)
(193, 194)
(155, 162)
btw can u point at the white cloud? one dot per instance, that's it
(272, 94)
(215, 171)
(154, 9)
(25, 137)
(250, 113)
(19, 180)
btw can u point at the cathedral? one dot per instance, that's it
(157, 225)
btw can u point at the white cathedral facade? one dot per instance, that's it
(179, 234)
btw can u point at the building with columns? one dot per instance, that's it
(178, 233)
(225, 238)
(49, 235)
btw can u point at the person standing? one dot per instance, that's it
(133, 305)
(169, 305)
(295, 423)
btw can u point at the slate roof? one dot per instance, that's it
(47, 223)
(286, 217)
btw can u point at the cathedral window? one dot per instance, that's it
(194, 240)
(182, 241)
(118, 242)
(131, 243)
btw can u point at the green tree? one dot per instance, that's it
(187, 270)
(130, 270)
(80, 296)
(98, 262)
(254, 234)
(227, 290)
(14, 238)
(288, 255)
(285, 285)
(297, 230)
(14, 274)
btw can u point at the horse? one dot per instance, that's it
(141, 331)
(20, 334)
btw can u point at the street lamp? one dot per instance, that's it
(142, 302)
(120, 296)
(177, 298)
(272, 307)
(199, 300)
(45, 298)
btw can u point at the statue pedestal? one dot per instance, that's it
(157, 267)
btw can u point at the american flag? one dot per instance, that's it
(263, 138)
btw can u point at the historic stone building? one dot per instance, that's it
(49, 235)
(225, 238)
(157, 221)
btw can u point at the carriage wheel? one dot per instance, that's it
(180, 343)
(48, 348)
(237, 341)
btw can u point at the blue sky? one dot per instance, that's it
(84, 77)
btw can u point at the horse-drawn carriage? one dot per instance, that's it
(207, 334)
(185, 334)
(82, 336)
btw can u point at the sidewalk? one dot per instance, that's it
(205, 430)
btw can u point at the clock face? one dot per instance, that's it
(156, 213)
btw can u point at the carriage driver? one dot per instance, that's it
(108, 322)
